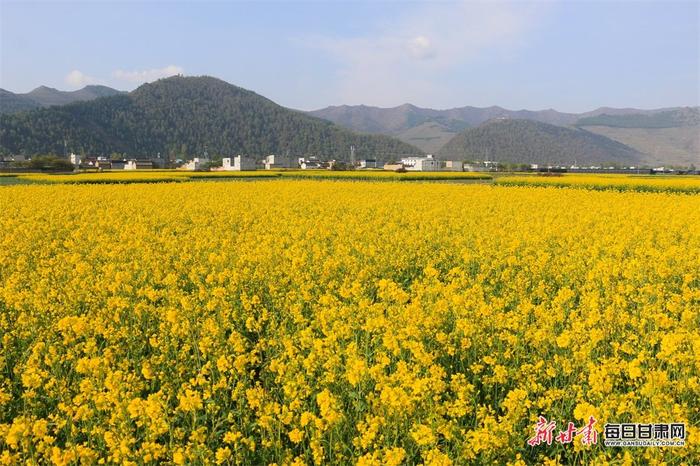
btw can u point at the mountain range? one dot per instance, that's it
(44, 96)
(661, 136)
(180, 117)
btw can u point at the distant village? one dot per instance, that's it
(269, 162)
(427, 163)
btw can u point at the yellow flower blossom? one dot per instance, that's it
(343, 322)
(423, 435)
(296, 435)
(222, 455)
(190, 401)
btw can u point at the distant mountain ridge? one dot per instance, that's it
(402, 121)
(184, 117)
(396, 119)
(674, 118)
(666, 135)
(44, 96)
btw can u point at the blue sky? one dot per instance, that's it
(571, 56)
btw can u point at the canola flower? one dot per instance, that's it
(312, 322)
(381, 175)
(138, 176)
(620, 182)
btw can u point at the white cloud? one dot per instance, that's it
(77, 78)
(421, 48)
(404, 57)
(144, 76)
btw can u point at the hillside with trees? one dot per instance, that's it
(523, 141)
(180, 117)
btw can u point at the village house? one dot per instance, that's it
(238, 163)
(272, 162)
(312, 163)
(394, 167)
(421, 164)
(75, 159)
(135, 164)
(195, 164)
(368, 163)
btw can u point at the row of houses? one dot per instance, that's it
(274, 162)
(428, 163)
(116, 164)
(632, 170)
(271, 162)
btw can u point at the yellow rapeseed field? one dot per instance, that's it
(152, 176)
(620, 182)
(138, 176)
(337, 322)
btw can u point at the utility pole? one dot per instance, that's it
(352, 155)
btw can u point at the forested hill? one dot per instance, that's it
(183, 117)
(522, 141)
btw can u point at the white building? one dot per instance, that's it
(136, 164)
(273, 161)
(312, 163)
(238, 163)
(421, 164)
(194, 164)
(75, 159)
